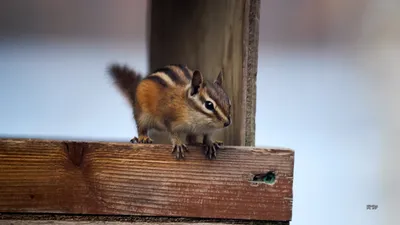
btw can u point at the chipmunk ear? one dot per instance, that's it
(218, 80)
(197, 81)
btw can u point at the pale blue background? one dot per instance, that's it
(327, 89)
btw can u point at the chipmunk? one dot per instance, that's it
(177, 100)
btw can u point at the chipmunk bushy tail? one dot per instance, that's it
(126, 80)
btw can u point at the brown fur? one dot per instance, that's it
(126, 80)
(152, 99)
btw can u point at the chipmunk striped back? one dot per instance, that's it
(171, 75)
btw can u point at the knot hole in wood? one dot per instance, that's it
(267, 178)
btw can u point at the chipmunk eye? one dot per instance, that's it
(209, 105)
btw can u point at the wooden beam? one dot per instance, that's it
(48, 176)
(58, 219)
(212, 35)
(80, 222)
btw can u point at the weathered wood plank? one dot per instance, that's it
(136, 220)
(51, 222)
(250, 64)
(43, 176)
(60, 222)
(211, 36)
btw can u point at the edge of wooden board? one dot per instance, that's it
(88, 177)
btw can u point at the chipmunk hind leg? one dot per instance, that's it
(142, 126)
(143, 136)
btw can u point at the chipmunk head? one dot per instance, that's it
(211, 105)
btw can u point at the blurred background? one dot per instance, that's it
(328, 87)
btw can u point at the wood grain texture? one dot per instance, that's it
(55, 222)
(250, 63)
(50, 222)
(210, 36)
(41, 176)
(99, 219)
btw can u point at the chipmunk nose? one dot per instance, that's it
(227, 123)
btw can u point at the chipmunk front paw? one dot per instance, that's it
(211, 148)
(179, 150)
(142, 140)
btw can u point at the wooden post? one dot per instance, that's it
(121, 179)
(212, 35)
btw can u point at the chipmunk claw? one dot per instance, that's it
(179, 150)
(211, 149)
(142, 140)
(219, 143)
